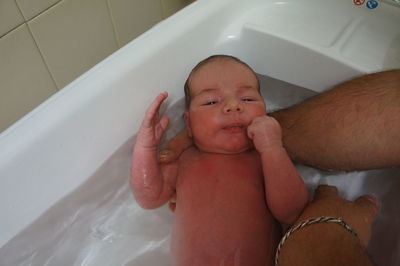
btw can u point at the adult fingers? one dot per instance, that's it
(325, 191)
(172, 203)
(167, 156)
(172, 206)
(175, 146)
(369, 205)
(367, 209)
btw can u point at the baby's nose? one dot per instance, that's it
(233, 106)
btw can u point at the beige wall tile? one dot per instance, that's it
(31, 8)
(73, 36)
(133, 17)
(10, 17)
(172, 6)
(25, 81)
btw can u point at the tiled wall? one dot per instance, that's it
(45, 44)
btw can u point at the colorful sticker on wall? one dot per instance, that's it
(371, 4)
(358, 2)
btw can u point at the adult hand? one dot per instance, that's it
(359, 214)
(173, 149)
(330, 244)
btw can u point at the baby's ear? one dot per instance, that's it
(186, 116)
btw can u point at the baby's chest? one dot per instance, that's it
(227, 176)
(220, 191)
(220, 168)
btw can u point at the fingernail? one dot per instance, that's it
(164, 154)
(373, 200)
(326, 187)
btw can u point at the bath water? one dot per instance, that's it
(100, 223)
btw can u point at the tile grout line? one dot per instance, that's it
(117, 40)
(17, 26)
(14, 28)
(20, 11)
(43, 59)
(162, 9)
(34, 40)
(41, 12)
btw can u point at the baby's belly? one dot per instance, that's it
(225, 222)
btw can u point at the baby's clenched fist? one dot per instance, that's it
(265, 132)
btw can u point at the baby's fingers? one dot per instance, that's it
(255, 126)
(251, 132)
(161, 127)
(152, 111)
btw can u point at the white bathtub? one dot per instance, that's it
(59, 156)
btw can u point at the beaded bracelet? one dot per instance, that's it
(321, 219)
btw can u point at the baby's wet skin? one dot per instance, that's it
(221, 212)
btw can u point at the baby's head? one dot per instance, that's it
(222, 98)
(211, 59)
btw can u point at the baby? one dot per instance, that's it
(234, 184)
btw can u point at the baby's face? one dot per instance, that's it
(225, 100)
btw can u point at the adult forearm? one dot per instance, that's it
(354, 126)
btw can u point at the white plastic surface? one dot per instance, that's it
(57, 147)
(100, 224)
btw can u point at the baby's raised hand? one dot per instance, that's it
(152, 128)
(265, 132)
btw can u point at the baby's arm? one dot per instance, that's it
(152, 183)
(285, 190)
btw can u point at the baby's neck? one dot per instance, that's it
(247, 151)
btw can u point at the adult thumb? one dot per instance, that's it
(166, 156)
(369, 205)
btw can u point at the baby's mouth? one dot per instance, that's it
(233, 128)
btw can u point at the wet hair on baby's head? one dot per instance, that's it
(208, 60)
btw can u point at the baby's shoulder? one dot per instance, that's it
(190, 154)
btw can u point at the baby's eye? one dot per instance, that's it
(210, 102)
(247, 100)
